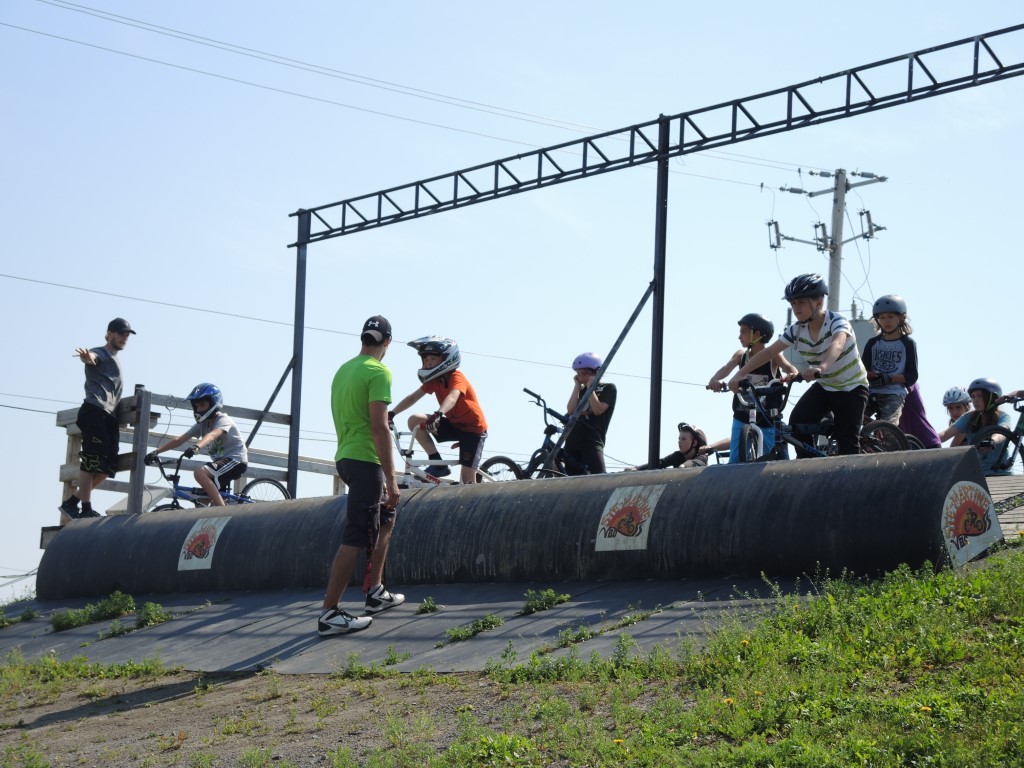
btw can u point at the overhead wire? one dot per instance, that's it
(372, 82)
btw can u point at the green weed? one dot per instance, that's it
(427, 606)
(542, 601)
(457, 634)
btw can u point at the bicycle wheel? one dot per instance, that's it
(265, 489)
(748, 445)
(501, 468)
(165, 508)
(882, 437)
(913, 443)
(998, 449)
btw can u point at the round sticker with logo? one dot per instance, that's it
(969, 524)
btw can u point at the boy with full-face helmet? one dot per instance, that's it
(585, 444)
(458, 418)
(216, 433)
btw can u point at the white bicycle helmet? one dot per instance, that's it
(437, 345)
(587, 360)
(956, 396)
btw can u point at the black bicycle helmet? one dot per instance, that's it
(889, 303)
(758, 323)
(807, 286)
(451, 357)
(205, 391)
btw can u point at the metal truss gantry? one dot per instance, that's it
(892, 82)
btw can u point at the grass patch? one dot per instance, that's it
(113, 607)
(427, 606)
(457, 634)
(542, 601)
(894, 672)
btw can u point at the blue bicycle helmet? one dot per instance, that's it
(806, 286)
(209, 392)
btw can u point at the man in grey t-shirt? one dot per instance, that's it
(97, 419)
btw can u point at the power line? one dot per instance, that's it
(551, 122)
(270, 87)
(290, 325)
(387, 85)
(319, 69)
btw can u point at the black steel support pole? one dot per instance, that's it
(658, 316)
(300, 324)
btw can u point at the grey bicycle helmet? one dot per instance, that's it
(889, 303)
(759, 323)
(956, 396)
(987, 385)
(807, 286)
(205, 391)
(451, 357)
(698, 434)
(587, 360)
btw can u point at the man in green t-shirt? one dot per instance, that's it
(360, 395)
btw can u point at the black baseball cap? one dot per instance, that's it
(378, 328)
(119, 325)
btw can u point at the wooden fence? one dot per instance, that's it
(138, 420)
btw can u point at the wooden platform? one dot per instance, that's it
(1008, 495)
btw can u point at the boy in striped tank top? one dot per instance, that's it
(826, 344)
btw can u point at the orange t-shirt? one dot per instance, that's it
(467, 414)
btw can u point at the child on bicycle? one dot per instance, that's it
(585, 444)
(458, 418)
(691, 440)
(890, 357)
(986, 395)
(957, 402)
(215, 432)
(825, 341)
(755, 332)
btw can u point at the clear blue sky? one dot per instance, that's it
(170, 188)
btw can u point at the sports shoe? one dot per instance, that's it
(70, 508)
(380, 599)
(90, 512)
(438, 470)
(335, 621)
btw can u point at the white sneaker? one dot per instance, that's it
(335, 621)
(380, 599)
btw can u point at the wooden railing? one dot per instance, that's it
(137, 418)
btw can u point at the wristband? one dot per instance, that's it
(817, 374)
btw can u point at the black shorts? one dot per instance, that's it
(225, 470)
(100, 440)
(365, 516)
(471, 444)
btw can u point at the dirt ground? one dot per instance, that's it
(262, 719)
